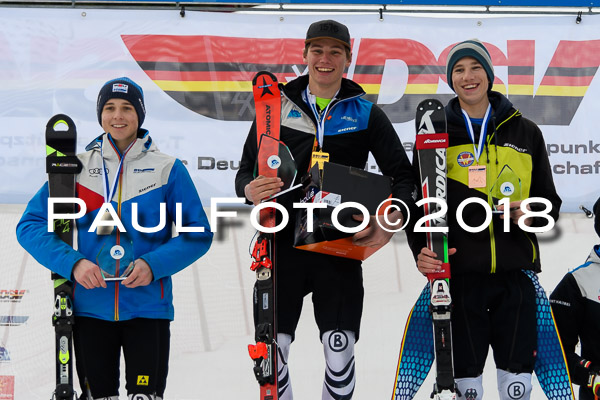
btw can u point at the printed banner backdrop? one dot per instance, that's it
(196, 74)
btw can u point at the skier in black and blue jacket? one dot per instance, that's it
(324, 112)
(576, 307)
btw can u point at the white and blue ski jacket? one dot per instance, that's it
(147, 178)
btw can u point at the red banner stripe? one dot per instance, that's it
(216, 49)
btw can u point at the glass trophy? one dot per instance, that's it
(278, 157)
(115, 260)
(508, 184)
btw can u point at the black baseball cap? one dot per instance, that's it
(328, 29)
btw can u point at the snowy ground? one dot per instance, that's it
(212, 327)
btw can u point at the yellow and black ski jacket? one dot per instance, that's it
(513, 145)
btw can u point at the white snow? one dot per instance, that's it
(212, 326)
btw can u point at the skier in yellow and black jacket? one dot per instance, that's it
(494, 152)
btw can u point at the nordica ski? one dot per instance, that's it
(431, 144)
(267, 100)
(62, 165)
(421, 345)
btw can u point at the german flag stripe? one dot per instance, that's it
(574, 81)
(520, 70)
(571, 71)
(213, 49)
(520, 80)
(579, 54)
(212, 74)
(412, 79)
(190, 76)
(236, 67)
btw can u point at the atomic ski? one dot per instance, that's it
(267, 100)
(431, 144)
(62, 165)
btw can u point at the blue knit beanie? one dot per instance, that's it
(122, 88)
(470, 48)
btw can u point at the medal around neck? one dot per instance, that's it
(103, 230)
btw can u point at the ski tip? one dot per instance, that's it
(266, 76)
(430, 104)
(57, 121)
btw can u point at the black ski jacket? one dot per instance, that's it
(576, 310)
(353, 128)
(512, 142)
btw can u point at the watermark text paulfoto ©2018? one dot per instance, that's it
(434, 221)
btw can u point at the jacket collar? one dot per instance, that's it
(595, 255)
(293, 89)
(502, 107)
(142, 144)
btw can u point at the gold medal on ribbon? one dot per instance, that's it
(319, 157)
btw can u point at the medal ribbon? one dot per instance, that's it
(478, 149)
(109, 191)
(311, 100)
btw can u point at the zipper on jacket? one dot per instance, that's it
(118, 262)
(489, 197)
(490, 202)
(492, 247)
(335, 103)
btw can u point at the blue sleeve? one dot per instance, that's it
(46, 247)
(185, 248)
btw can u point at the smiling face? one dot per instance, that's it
(326, 60)
(120, 119)
(471, 84)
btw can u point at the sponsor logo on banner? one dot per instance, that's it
(210, 163)
(13, 320)
(4, 355)
(7, 387)
(188, 81)
(12, 295)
